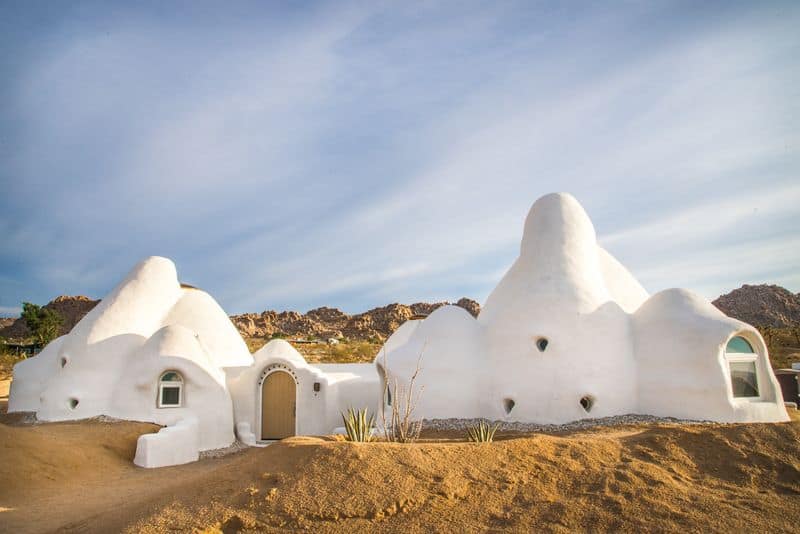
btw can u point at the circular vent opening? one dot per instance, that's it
(508, 405)
(73, 403)
(587, 402)
(541, 343)
(63, 361)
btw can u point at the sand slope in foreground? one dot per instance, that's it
(78, 476)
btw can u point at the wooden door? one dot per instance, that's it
(278, 406)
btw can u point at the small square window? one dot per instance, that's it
(170, 396)
(744, 379)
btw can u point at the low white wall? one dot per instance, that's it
(350, 385)
(172, 445)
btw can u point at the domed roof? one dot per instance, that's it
(559, 264)
(199, 312)
(279, 348)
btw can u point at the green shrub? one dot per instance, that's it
(358, 425)
(44, 323)
(483, 432)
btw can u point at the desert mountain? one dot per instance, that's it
(377, 323)
(761, 305)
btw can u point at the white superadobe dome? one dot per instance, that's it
(112, 361)
(569, 333)
(551, 319)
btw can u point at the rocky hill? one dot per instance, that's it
(762, 305)
(72, 309)
(375, 324)
(378, 323)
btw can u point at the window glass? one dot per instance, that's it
(739, 345)
(170, 396)
(743, 378)
(171, 376)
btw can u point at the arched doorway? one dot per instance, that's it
(278, 401)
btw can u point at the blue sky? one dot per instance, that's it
(294, 155)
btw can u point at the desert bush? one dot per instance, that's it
(358, 425)
(483, 432)
(401, 425)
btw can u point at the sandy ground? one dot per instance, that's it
(78, 477)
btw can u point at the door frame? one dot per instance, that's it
(275, 368)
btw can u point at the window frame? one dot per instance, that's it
(743, 357)
(170, 384)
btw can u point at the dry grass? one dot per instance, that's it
(784, 349)
(7, 362)
(344, 352)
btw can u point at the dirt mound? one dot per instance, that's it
(761, 305)
(78, 476)
(719, 478)
(45, 453)
(72, 309)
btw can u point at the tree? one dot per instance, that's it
(44, 323)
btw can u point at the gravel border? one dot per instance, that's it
(233, 448)
(515, 426)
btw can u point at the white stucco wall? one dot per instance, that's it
(31, 375)
(349, 385)
(448, 347)
(317, 412)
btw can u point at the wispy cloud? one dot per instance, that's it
(348, 156)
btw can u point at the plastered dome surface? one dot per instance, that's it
(112, 362)
(568, 333)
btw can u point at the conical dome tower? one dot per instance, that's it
(552, 320)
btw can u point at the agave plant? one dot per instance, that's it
(483, 432)
(358, 425)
